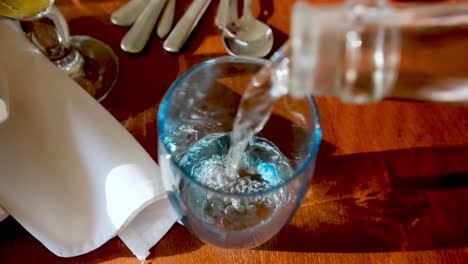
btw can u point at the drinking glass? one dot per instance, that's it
(90, 62)
(201, 106)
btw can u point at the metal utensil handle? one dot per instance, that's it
(165, 23)
(247, 11)
(135, 39)
(227, 13)
(128, 13)
(185, 26)
(221, 15)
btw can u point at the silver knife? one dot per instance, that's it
(185, 26)
(128, 13)
(167, 17)
(135, 39)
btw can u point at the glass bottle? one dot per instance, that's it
(367, 50)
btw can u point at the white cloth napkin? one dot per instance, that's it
(70, 174)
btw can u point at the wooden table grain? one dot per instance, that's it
(391, 179)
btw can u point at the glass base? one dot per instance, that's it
(100, 68)
(90, 62)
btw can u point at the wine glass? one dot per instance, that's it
(90, 62)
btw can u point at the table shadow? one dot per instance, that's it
(397, 200)
(267, 8)
(279, 39)
(143, 78)
(206, 27)
(177, 241)
(15, 238)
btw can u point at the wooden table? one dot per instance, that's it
(391, 179)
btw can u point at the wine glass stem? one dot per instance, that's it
(55, 42)
(61, 26)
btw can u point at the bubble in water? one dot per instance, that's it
(262, 167)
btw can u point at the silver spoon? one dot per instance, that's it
(185, 25)
(167, 17)
(135, 39)
(227, 13)
(128, 13)
(249, 36)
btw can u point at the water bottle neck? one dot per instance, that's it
(353, 51)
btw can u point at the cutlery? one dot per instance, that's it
(135, 39)
(185, 26)
(226, 14)
(128, 13)
(249, 36)
(167, 17)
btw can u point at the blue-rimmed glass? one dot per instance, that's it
(203, 102)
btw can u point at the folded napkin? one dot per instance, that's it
(70, 174)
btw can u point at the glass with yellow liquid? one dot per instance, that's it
(90, 62)
(24, 9)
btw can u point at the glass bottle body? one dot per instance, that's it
(365, 51)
